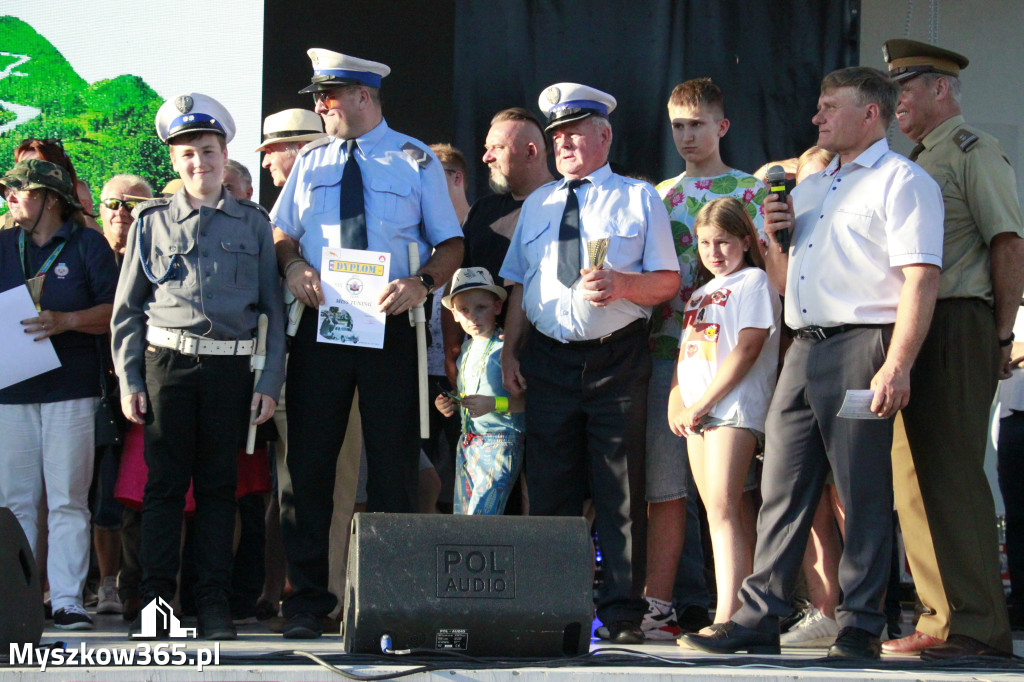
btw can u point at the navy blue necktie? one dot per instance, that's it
(353, 213)
(569, 238)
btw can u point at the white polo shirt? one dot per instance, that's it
(628, 212)
(857, 225)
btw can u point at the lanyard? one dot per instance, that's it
(45, 266)
(480, 372)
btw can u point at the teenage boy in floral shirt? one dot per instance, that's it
(697, 113)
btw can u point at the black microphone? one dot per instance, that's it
(776, 180)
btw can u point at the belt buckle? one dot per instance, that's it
(187, 345)
(815, 332)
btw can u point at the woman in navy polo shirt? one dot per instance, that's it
(47, 421)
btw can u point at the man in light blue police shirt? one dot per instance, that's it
(587, 361)
(364, 187)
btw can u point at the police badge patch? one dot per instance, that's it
(184, 103)
(553, 94)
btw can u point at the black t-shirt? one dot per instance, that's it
(488, 231)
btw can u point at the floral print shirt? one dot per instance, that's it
(684, 197)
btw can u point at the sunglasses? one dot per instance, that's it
(116, 204)
(326, 97)
(330, 97)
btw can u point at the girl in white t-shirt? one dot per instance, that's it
(728, 358)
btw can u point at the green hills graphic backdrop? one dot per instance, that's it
(106, 126)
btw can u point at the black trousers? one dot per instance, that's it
(586, 423)
(322, 379)
(199, 413)
(1011, 485)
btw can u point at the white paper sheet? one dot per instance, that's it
(20, 357)
(857, 405)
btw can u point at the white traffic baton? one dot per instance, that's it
(259, 357)
(418, 319)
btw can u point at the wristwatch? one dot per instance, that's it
(426, 280)
(1003, 343)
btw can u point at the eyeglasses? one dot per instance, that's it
(451, 171)
(116, 204)
(9, 191)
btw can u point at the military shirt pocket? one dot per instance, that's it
(241, 262)
(178, 249)
(393, 201)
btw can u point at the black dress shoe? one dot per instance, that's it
(693, 618)
(853, 642)
(217, 626)
(962, 646)
(621, 632)
(303, 626)
(731, 638)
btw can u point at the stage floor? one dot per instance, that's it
(260, 654)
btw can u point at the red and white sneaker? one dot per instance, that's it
(660, 621)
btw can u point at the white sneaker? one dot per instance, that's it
(108, 601)
(660, 624)
(815, 629)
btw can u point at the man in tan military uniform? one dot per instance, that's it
(942, 494)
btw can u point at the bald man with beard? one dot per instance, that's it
(516, 152)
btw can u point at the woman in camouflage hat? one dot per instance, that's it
(47, 420)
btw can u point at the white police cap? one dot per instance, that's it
(333, 70)
(568, 102)
(291, 125)
(193, 113)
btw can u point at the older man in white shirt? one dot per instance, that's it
(586, 358)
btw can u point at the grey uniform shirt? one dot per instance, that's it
(226, 277)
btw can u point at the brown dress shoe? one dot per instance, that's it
(911, 644)
(962, 646)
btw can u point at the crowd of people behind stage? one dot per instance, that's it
(756, 366)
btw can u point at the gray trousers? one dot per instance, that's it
(805, 439)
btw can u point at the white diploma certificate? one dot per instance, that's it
(22, 358)
(352, 281)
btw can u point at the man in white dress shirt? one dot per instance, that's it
(860, 287)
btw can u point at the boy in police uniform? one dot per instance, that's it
(199, 268)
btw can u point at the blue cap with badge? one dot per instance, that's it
(568, 102)
(334, 70)
(193, 113)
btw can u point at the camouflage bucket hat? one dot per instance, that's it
(38, 174)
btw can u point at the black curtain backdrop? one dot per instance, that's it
(454, 64)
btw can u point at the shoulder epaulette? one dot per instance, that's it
(253, 204)
(150, 203)
(416, 154)
(965, 139)
(319, 142)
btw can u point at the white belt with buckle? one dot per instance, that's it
(192, 345)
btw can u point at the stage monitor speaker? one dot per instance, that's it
(501, 586)
(21, 618)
